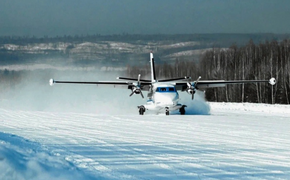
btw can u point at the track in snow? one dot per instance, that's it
(246, 143)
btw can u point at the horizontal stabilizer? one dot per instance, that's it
(133, 79)
(174, 79)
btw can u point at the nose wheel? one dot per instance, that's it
(141, 110)
(167, 111)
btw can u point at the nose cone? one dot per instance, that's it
(166, 98)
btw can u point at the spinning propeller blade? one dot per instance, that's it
(137, 88)
(131, 93)
(141, 94)
(192, 88)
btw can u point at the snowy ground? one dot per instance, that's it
(236, 141)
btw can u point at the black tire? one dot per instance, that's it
(167, 111)
(141, 110)
(182, 111)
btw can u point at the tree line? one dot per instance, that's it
(252, 61)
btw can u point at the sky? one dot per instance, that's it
(82, 17)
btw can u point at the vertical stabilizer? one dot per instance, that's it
(153, 76)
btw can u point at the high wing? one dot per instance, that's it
(129, 84)
(191, 87)
(52, 81)
(217, 83)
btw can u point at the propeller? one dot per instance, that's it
(191, 87)
(137, 88)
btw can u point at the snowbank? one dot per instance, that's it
(21, 159)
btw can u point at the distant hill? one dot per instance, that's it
(117, 50)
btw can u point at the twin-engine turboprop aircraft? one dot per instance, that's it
(162, 94)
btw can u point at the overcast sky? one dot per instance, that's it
(76, 17)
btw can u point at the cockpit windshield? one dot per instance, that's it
(165, 89)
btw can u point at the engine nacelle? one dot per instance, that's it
(136, 90)
(190, 91)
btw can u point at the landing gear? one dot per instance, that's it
(141, 110)
(182, 110)
(167, 111)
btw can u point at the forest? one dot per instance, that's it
(249, 62)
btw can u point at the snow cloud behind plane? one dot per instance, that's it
(34, 93)
(74, 17)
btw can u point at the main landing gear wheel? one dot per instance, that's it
(182, 110)
(167, 111)
(141, 110)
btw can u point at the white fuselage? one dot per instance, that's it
(162, 97)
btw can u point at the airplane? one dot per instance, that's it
(163, 94)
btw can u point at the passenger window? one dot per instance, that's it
(171, 89)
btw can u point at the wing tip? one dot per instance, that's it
(51, 82)
(272, 81)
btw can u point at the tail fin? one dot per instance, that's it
(153, 76)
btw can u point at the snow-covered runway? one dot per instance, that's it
(237, 141)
